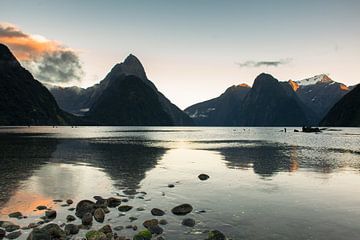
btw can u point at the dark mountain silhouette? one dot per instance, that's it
(268, 103)
(24, 100)
(103, 99)
(346, 112)
(271, 103)
(218, 111)
(319, 93)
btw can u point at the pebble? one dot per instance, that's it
(87, 219)
(71, 229)
(157, 212)
(203, 177)
(51, 214)
(16, 215)
(182, 209)
(188, 222)
(41, 207)
(70, 218)
(125, 208)
(99, 215)
(13, 235)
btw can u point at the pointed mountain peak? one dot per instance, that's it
(130, 66)
(294, 85)
(6, 56)
(132, 60)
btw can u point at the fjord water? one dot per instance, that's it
(264, 183)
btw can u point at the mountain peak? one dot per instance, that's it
(264, 78)
(321, 78)
(244, 85)
(6, 56)
(130, 66)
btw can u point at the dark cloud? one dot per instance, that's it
(264, 63)
(49, 61)
(61, 66)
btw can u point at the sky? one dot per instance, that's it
(191, 49)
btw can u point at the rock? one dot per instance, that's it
(13, 235)
(106, 210)
(132, 219)
(69, 201)
(140, 209)
(70, 218)
(150, 223)
(33, 225)
(64, 205)
(156, 229)
(57, 200)
(71, 229)
(11, 227)
(15, 215)
(157, 212)
(134, 227)
(106, 229)
(41, 207)
(113, 202)
(95, 235)
(143, 235)
(38, 234)
(118, 228)
(171, 185)
(54, 231)
(182, 209)
(71, 209)
(99, 215)
(130, 192)
(125, 208)
(163, 222)
(87, 219)
(188, 222)
(124, 200)
(109, 236)
(51, 214)
(2, 233)
(216, 235)
(203, 177)
(84, 206)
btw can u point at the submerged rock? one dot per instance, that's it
(38, 234)
(69, 201)
(71, 229)
(113, 202)
(99, 215)
(51, 214)
(10, 227)
(125, 208)
(118, 228)
(70, 218)
(182, 209)
(13, 235)
(41, 207)
(15, 215)
(163, 222)
(188, 222)
(203, 177)
(171, 185)
(151, 222)
(216, 235)
(157, 212)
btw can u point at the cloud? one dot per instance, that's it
(49, 60)
(265, 63)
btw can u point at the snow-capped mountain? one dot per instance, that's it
(319, 93)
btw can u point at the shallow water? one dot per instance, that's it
(264, 183)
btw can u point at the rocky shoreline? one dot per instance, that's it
(89, 212)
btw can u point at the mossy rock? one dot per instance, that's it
(95, 235)
(143, 235)
(216, 235)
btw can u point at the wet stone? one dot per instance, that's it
(71, 229)
(13, 235)
(157, 212)
(70, 218)
(182, 209)
(15, 215)
(125, 208)
(203, 177)
(188, 222)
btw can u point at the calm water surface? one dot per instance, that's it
(264, 183)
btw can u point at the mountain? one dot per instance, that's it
(268, 103)
(346, 112)
(319, 93)
(218, 111)
(88, 102)
(271, 103)
(24, 100)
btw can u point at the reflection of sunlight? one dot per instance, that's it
(294, 164)
(25, 202)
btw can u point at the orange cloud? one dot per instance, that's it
(49, 60)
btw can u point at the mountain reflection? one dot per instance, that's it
(69, 168)
(267, 159)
